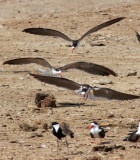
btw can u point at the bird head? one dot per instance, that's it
(83, 94)
(93, 124)
(75, 44)
(85, 90)
(57, 72)
(72, 49)
(55, 125)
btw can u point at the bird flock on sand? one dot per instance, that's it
(54, 77)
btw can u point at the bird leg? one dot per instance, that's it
(86, 97)
(100, 141)
(67, 145)
(94, 141)
(57, 145)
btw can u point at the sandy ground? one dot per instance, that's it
(17, 91)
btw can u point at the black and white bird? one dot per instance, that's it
(90, 68)
(96, 131)
(61, 131)
(85, 90)
(134, 136)
(75, 43)
(138, 36)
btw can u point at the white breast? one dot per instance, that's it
(95, 132)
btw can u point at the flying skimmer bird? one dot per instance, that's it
(90, 68)
(75, 43)
(85, 90)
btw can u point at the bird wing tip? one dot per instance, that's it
(4, 63)
(24, 30)
(122, 17)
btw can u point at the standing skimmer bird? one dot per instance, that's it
(96, 131)
(134, 136)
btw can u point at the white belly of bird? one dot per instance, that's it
(95, 132)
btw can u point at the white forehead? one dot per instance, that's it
(56, 72)
(94, 124)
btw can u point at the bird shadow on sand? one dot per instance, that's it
(68, 104)
(15, 71)
(105, 142)
(77, 153)
(97, 44)
(134, 147)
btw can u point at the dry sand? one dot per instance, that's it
(22, 135)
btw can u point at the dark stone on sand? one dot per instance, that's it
(45, 100)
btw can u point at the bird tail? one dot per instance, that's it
(126, 139)
(72, 135)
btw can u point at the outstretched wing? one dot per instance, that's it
(59, 82)
(100, 26)
(89, 68)
(46, 32)
(112, 94)
(138, 36)
(21, 61)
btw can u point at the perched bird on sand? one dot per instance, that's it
(96, 131)
(134, 136)
(61, 131)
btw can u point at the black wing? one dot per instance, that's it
(112, 94)
(59, 82)
(100, 26)
(102, 132)
(133, 137)
(21, 61)
(89, 68)
(138, 36)
(92, 136)
(46, 32)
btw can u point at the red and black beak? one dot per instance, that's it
(60, 74)
(91, 126)
(84, 95)
(72, 49)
